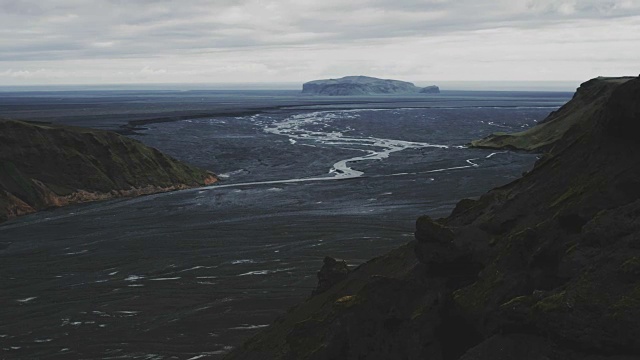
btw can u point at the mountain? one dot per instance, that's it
(571, 116)
(546, 267)
(363, 85)
(44, 166)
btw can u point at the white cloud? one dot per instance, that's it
(295, 40)
(149, 71)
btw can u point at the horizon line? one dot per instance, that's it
(449, 85)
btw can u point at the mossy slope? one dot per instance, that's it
(572, 117)
(44, 166)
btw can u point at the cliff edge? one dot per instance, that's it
(44, 166)
(546, 267)
(571, 118)
(363, 85)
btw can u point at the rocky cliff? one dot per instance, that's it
(44, 166)
(546, 267)
(363, 85)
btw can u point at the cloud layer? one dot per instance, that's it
(102, 41)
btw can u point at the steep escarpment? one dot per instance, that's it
(571, 118)
(546, 267)
(364, 85)
(43, 166)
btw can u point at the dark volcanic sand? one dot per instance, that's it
(194, 273)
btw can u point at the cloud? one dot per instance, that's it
(136, 28)
(37, 73)
(279, 35)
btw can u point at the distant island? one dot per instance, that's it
(364, 85)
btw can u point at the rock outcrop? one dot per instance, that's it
(363, 85)
(546, 267)
(44, 166)
(332, 272)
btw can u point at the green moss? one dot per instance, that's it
(552, 303)
(631, 267)
(573, 191)
(306, 338)
(348, 301)
(625, 303)
(571, 248)
(17, 183)
(629, 301)
(475, 297)
(420, 310)
(518, 300)
(586, 291)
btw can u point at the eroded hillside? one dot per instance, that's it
(44, 166)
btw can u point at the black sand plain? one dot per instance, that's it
(191, 274)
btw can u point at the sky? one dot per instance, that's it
(254, 41)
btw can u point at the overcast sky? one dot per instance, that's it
(224, 41)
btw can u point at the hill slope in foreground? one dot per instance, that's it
(44, 166)
(546, 267)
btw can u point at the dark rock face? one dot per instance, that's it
(43, 166)
(363, 85)
(623, 111)
(435, 247)
(332, 272)
(545, 267)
